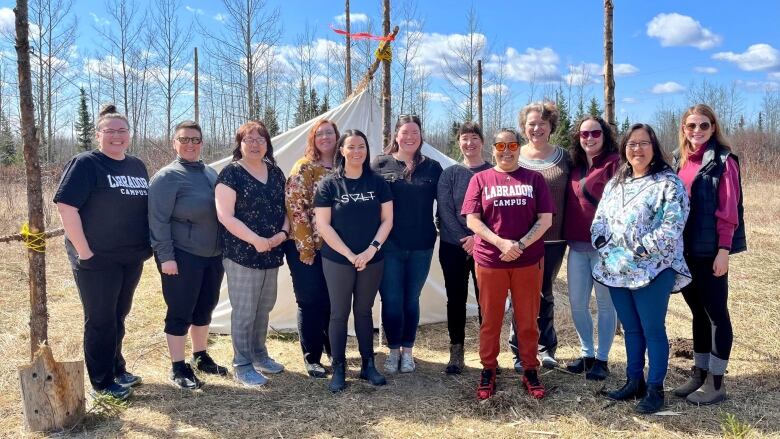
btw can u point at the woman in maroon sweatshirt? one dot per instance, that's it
(594, 160)
(715, 229)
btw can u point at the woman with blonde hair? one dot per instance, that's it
(715, 229)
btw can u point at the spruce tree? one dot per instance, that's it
(325, 105)
(624, 128)
(561, 134)
(269, 118)
(302, 112)
(8, 154)
(594, 109)
(454, 152)
(314, 104)
(85, 129)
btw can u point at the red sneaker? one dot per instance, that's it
(487, 384)
(533, 385)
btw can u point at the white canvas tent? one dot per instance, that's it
(361, 112)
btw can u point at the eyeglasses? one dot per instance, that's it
(592, 133)
(636, 145)
(324, 133)
(501, 146)
(112, 132)
(704, 126)
(249, 140)
(186, 140)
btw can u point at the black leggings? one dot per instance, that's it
(349, 288)
(707, 296)
(456, 265)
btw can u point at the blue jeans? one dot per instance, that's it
(579, 271)
(643, 314)
(404, 276)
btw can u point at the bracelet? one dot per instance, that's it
(520, 244)
(286, 234)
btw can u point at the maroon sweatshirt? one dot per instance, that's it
(579, 209)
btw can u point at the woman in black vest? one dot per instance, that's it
(714, 230)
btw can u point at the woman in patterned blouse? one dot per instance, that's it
(637, 231)
(303, 249)
(250, 206)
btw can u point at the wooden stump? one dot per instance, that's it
(52, 392)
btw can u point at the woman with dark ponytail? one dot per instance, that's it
(102, 201)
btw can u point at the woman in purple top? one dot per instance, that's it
(715, 229)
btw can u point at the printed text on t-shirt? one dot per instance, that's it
(362, 196)
(129, 185)
(515, 190)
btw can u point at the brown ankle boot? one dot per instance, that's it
(694, 382)
(711, 392)
(456, 363)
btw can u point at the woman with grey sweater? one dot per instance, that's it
(184, 233)
(457, 240)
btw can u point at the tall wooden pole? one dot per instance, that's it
(197, 104)
(479, 92)
(39, 315)
(348, 66)
(386, 97)
(609, 76)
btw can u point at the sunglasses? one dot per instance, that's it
(704, 126)
(588, 134)
(186, 140)
(501, 146)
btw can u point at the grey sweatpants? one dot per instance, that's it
(252, 294)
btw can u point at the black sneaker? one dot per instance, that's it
(184, 378)
(598, 372)
(204, 363)
(582, 364)
(127, 379)
(116, 391)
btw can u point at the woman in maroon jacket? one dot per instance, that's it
(594, 161)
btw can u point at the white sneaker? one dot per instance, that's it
(407, 363)
(392, 360)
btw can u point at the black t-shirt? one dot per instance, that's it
(111, 196)
(259, 206)
(356, 211)
(413, 227)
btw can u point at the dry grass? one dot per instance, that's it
(424, 404)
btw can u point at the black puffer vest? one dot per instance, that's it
(701, 233)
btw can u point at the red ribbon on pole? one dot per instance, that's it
(362, 35)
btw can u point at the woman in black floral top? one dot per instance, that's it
(250, 208)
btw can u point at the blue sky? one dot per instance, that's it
(661, 47)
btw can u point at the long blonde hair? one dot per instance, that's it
(686, 148)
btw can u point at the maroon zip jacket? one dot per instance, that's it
(580, 209)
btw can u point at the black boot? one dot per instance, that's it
(633, 388)
(368, 372)
(338, 380)
(653, 401)
(598, 372)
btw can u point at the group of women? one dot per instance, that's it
(349, 226)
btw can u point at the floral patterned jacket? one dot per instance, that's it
(299, 199)
(638, 231)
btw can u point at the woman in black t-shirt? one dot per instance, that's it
(102, 201)
(250, 207)
(354, 214)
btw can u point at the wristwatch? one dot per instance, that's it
(376, 244)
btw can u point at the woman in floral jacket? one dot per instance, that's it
(638, 232)
(303, 248)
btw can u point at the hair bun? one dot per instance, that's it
(107, 109)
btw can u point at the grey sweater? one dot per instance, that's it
(182, 213)
(451, 191)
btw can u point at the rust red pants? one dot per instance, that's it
(524, 284)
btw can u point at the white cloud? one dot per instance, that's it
(584, 74)
(707, 70)
(629, 100)
(436, 96)
(220, 18)
(625, 69)
(667, 87)
(410, 24)
(756, 57)
(100, 21)
(681, 30)
(759, 86)
(534, 65)
(435, 50)
(502, 89)
(194, 10)
(354, 17)
(774, 76)
(7, 20)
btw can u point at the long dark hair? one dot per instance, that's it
(393, 147)
(659, 162)
(338, 165)
(244, 130)
(577, 153)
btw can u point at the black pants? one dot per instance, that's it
(349, 288)
(192, 294)
(106, 289)
(548, 338)
(456, 265)
(311, 294)
(707, 296)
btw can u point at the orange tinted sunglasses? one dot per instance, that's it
(501, 146)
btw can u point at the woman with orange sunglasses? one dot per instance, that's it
(508, 208)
